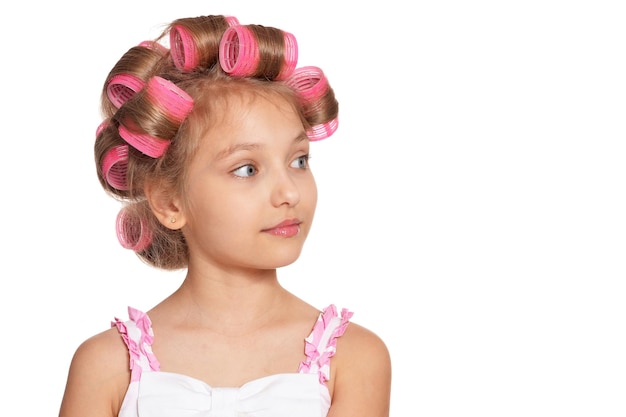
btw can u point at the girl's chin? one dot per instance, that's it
(286, 258)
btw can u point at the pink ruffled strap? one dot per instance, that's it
(321, 344)
(138, 335)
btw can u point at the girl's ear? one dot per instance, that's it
(166, 208)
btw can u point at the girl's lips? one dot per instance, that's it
(287, 228)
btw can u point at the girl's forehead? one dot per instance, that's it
(235, 109)
(249, 120)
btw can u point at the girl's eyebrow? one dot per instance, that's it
(236, 148)
(302, 136)
(250, 146)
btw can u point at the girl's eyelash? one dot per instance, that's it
(249, 165)
(306, 157)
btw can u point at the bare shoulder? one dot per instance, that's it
(363, 342)
(361, 385)
(98, 377)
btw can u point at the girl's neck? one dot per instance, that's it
(230, 301)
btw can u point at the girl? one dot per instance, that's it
(207, 145)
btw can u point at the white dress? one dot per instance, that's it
(154, 393)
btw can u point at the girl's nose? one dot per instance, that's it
(285, 190)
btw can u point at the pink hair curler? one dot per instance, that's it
(114, 166)
(122, 87)
(103, 125)
(155, 46)
(231, 20)
(291, 57)
(175, 101)
(322, 131)
(183, 48)
(310, 82)
(146, 144)
(239, 51)
(240, 55)
(132, 233)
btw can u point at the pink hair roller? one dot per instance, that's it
(310, 82)
(146, 144)
(114, 166)
(175, 101)
(155, 46)
(231, 20)
(101, 127)
(132, 234)
(183, 48)
(240, 56)
(239, 51)
(183, 45)
(322, 131)
(122, 87)
(291, 56)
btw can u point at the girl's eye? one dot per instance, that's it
(301, 162)
(245, 171)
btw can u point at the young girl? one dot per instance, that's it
(206, 144)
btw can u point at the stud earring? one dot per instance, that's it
(172, 219)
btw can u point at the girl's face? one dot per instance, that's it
(250, 195)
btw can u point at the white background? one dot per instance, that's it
(472, 208)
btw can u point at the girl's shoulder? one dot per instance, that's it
(360, 344)
(98, 376)
(361, 374)
(101, 358)
(104, 351)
